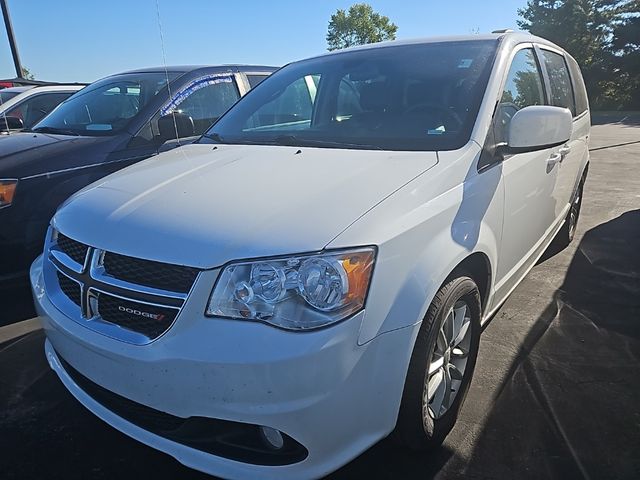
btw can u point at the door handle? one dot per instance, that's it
(552, 160)
(564, 151)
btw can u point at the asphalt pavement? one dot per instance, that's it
(556, 393)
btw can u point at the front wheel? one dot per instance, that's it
(441, 366)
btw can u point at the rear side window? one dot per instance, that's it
(6, 96)
(256, 79)
(32, 110)
(582, 101)
(522, 89)
(561, 94)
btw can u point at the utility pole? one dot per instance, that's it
(12, 40)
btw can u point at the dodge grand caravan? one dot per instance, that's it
(312, 274)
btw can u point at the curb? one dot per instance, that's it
(16, 330)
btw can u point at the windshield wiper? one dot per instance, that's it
(293, 141)
(55, 131)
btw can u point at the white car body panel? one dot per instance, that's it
(449, 209)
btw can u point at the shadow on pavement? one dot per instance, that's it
(569, 406)
(16, 303)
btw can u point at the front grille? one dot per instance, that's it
(141, 296)
(75, 250)
(164, 276)
(70, 288)
(234, 440)
(149, 320)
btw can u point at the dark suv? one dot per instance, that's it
(106, 126)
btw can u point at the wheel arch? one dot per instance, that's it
(478, 267)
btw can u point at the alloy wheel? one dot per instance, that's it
(448, 361)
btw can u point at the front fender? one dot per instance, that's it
(423, 232)
(403, 289)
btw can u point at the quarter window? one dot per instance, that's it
(522, 89)
(561, 94)
(255, 79)
(582, 102)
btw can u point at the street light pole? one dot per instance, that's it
(12, 40)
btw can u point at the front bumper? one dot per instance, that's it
(320, 388)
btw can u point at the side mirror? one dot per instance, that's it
(176, 122)
(11, 123)
(538, 127)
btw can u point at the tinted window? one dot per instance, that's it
(255, 79)
(582, 102)
(34, 108)
(4, 96)
(204, 100)
(522, 89)
(561, 94)
(106, 106)
(405, 97)
(348, 99)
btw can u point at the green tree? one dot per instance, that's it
(358, 26)
(585, 29)
(26, 74)
(626, 50)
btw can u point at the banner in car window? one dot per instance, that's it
(194, 86)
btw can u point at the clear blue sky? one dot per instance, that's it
(83, 40)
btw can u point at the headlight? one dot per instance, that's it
(7, 191)
(298, 293)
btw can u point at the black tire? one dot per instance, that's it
(568, 230)
(416, 428)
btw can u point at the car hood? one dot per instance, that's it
(26, 153)
(23, 141)
(203, 206)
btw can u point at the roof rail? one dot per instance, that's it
(503, 30)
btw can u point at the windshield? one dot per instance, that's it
(4, 96)
(106, 106)
(406, 97)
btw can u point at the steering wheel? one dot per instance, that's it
(446, 112)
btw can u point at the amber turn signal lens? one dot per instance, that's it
(7, 191)
(358, 267)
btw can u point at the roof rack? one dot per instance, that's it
(503, 30)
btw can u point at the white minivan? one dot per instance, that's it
(312, 275)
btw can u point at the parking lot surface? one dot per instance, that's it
(556, 393)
